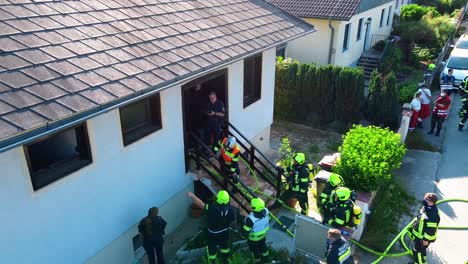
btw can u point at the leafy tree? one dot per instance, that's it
(375, 99)
(390, 103)
(414, 12)
(368, 157)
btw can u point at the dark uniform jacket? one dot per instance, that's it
(342, 215)
(215, 122)
(220, 217)
(299, 178)
(426, 224)
(157, 232)
(339, 252)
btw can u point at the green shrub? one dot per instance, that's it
(423, 53)
(391, 59)
(375, 98)
(349, 94)
(380, 45)
(390, 104)
(409, 87)
(414, 12)
(368, 157)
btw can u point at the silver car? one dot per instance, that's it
(458, 61)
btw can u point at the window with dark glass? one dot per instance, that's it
(281, 51)
(252, 79)
(58, 155)
(389, 16)
(346, 37)
(359, 29)
(140, 119)
(382, 17)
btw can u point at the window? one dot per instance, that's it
(252, 79)
(346, 37)
(389, 16)
(140, 119)
(359, 29)
(281, 51)
(58, 155)
(382, 17)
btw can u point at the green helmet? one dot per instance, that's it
(300, 158)
(222, 197)
(257, 204)
(343, 193)
(335, 179)
(431, 66)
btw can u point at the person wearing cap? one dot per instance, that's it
(415, 108)
(425, 111)
(343, 210)
(298, 178)
(255, 228)
(440, 111)
(338, 249)
(327, 197)
(424, 228)
(220, 217)
(228, 154)
(463, 113)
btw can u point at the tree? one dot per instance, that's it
(368, 157)
(375, 99)
(349, 94)
(391, 105)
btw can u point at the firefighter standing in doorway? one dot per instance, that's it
(298, 179)
(424, 229)
(256, 226)
(327, 197)
(228, 154)
(220, 216)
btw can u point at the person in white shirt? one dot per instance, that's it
(415, 107)
(425, 111)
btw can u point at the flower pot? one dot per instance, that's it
(196, 211)
(291, 202)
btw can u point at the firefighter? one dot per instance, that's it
(298, 179)
(228, 154)
(463, 113)
(220, 216)
(256, 226)
(338, 249)
(327, 197)
(424, 229)
(440, 111)
(342, 215)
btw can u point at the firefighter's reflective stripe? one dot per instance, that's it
(260, 226)
(344, 252)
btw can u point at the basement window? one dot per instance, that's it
(140, 119)
(57, 156)
(252, 79)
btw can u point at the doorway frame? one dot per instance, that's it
(199, 81)
(367, 36)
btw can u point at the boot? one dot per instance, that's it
(430, 132)
(437, 133)
(460, 127)
(420, 125)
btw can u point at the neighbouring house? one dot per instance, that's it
(96, 98)
(345, 28)
(399, 4)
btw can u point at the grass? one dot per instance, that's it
(416, 140)
(390, 205)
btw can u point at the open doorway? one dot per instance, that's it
(195, 100)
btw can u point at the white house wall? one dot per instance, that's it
(75, 217)
(351, 56)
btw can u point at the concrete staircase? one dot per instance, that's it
(369, 64)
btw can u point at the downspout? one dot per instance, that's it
(332, 37)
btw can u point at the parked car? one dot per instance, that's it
(462, 42)
(458, 61)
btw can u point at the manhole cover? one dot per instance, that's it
(286, 221)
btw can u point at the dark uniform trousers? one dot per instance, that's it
(419, 251)
(150, 248)
(220, 239)
(258, 249)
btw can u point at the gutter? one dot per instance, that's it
(45, 130)
(332, 38)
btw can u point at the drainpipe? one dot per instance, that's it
(332, 37)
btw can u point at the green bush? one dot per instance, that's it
(391, 59)
(368, 157)
(423, 53)
(409, 87)
(375, 99)
(414, 12)
(349, 92)
(390, 104)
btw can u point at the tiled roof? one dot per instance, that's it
(336, 9)
(61, 58)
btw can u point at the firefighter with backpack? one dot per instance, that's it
(345, 213)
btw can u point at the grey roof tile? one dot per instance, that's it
(114, 42)
(5, 108)
(200, 61)
(128, 68)
(96, 44)
(117, 89)
(4, 15)
(170, 56)
(164, 74)
(76, 103)
(46, 22)
(6, 29)
(99, 96)
(84, 18)
(78, 48)
(52, 111)
(7, 129)
(15, 79)
(177, 69)
(8, 44)
(110, 73)
(19, 99)
(103, 58)
(80, 6)
(41, 9)
(134, 83)
(25, 119)
(120, 54)
(72, 33)
(12, 62)
(52, 37)
(66, 20)
(91, 31)
(143, 64)
(85, 63)
(129, 38)
(23, 25)
(46, 91)
(150, 48)
(63, 67)
(116, 14)
(157, 60)
(150, 78)
(107, 28)
(336, 9)
(190, 65)
(18, 11)
(71, 84)
(91, 78)
(4, 88)
(58, 52)
(30, 40)
(41, 73)
(35, 56)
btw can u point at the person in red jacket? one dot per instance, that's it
(440, 111)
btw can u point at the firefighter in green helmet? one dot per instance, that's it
(327, 197)
(255, 228)
(342, 215)
(298, 179)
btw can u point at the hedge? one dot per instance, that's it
(330, 92)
